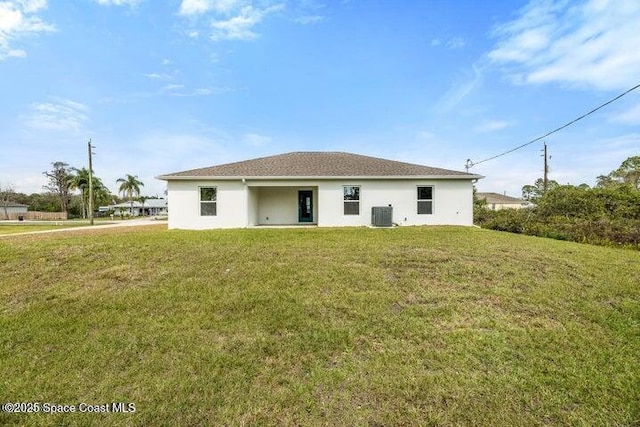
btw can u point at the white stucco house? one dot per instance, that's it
(13, 210)
(150, 207)
(328, 189)
(497, 201)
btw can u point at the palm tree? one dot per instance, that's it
(80, 181)
(130, 187)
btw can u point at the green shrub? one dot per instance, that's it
(512, 220)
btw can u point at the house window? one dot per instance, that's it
(208, 201)
(425, 200)
(351, 200)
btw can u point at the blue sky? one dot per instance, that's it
(163, 86)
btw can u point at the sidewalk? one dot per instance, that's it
(110, 224)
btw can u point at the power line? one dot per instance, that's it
(471, 164)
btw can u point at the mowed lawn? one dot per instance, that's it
(355, 326)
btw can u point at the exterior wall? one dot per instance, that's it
(500, 206)
(184, 205)
(252, 206)
(452, 202)
(277, 205)
(10, 210)
(242, 204)
(137, 210)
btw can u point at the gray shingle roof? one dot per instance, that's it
(149, 203)
(499, 198)
(318, 164)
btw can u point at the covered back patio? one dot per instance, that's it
(282, 205)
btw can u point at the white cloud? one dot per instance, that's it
(63, 115)
(158, 76)
(17, 20)
(306, 12)
(451, 43)
(161, 151)
(227, 19)
(171, 87)
(591, 43)
(31, 6)
(491, 126)
(131, 3)
(309, 19)
(456, 43)
(197, 7)
(180, 90)
(460, 89)
(240, 27)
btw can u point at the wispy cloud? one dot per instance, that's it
(460, 89)
(130, 3)
(197, 7)
(307, 12)
(181, 90)
(450, 43)
(18, 19)
(309, 19)
(227, 19)
(158, 76)
(491, 126)
(240, 27)
(171, 87)
(62, 115)
(591, 43)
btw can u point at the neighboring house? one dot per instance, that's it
(151, 207)
(496, 201)
(13, 210)
(321, 188)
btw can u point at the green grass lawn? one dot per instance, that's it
(356, 326)
(13, 228)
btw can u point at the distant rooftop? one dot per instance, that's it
(149, 203)
(318, 164)
(498, 198)
(11, 204)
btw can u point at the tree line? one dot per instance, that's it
(67, 190)
(607, 214)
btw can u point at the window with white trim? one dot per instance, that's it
(208, 201)
(425, 200)
(351, 199)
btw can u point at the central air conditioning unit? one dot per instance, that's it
(382, 216)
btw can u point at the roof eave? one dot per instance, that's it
(280, 178)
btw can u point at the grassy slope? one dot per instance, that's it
(410, 326)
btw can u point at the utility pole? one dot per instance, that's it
(545, 182)
(468, 165)
(90, 183)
